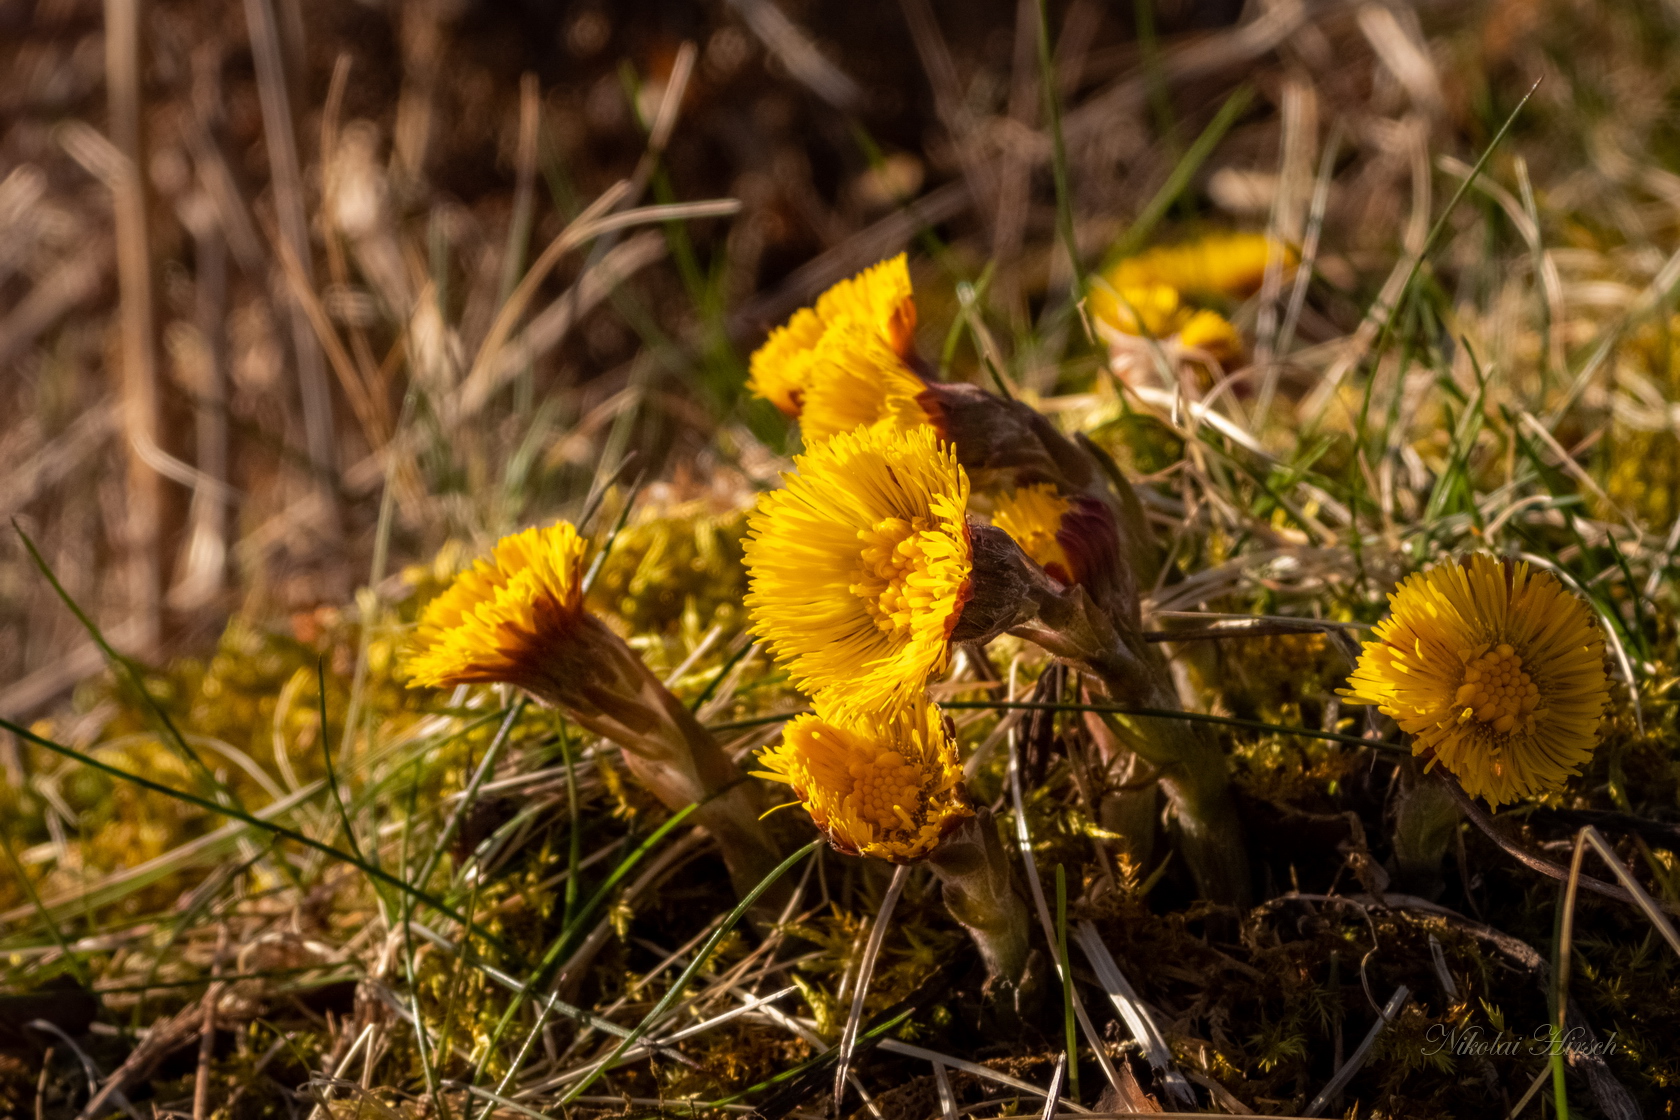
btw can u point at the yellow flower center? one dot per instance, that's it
(893, 555)
(1496, 691)
(883, 787)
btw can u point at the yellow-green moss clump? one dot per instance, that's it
(675, 568)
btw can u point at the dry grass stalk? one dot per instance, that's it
(144, 509)
(796, 51)
(287, 178)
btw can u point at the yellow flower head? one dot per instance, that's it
(859, 568)
(887, 786)
(1495, 669)
(879, 298)
(501, 618)
(780, 368)
(1149, 309)
(1227, 264)
(1156, 311)
(856, 379)
(1213, 334)
(1033, 515)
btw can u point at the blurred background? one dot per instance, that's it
(243, 245)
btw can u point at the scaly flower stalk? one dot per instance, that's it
(518, 618)
(1193, 771)
(889, 786)
(1426, 819)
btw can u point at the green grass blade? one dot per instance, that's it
(291, 834)
(1111, 709)
(177, 740)
(569, 932)
(491, 753)
(688, 973)
(1068, 1025)
(1182, 173)
(1058, 152)
(1441, 222)
(327, 755)
(58, 937)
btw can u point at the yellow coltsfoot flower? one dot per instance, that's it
(780, 369)
(857, 380)
(1134, 317)
(859, 568)
(879, 295)
(887, 786)
(1495, 670)
(1210, 333)
(1144, 296)
(519, 618)
(500, 618)
(1146, 309)
(879, 299)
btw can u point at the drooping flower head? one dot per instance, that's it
(1494, 669)
(1073, 538)
(887, 786)
(1032, 515)
(519, 618)
(879, 299)
(501, 618)
(859, 568)
(856, 379)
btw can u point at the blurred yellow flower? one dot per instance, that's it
(859, 568)
(1495, 670)
(1212, 334)
(856, 379)
(1227, 264)
(887, 786)
(501, 618)
(1032, 516)
(1156, 311)
(1149, 309)
(1144, 295)
(879, 298)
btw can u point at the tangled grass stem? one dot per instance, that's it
(1111, 709)
(1480, 818)
(688, 973)
(279, 830)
